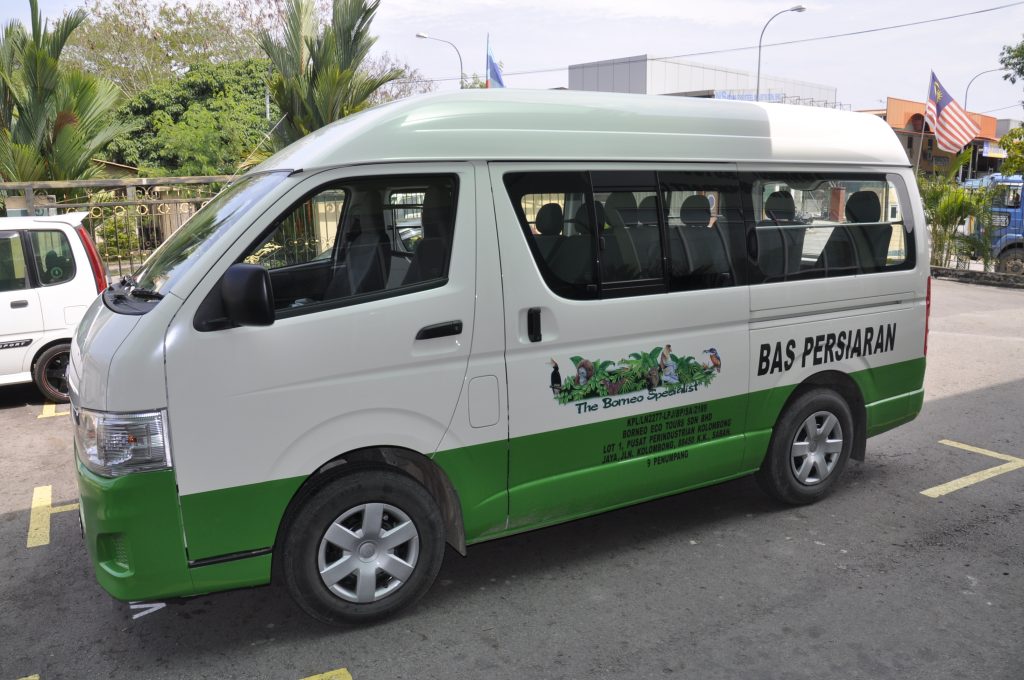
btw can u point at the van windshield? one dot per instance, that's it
(177, 254)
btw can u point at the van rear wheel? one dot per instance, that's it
(362, 547)
(809, 448)
(50, 372)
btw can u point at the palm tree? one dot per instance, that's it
(53, 119)
(320, 75)
(947, 206)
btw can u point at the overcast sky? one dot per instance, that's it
(533, 35)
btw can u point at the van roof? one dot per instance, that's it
(504, 124)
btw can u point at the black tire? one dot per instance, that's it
(783, 465)
(305, 546)
(50, 372)
(1011, 262)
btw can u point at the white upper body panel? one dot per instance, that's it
(496, 125)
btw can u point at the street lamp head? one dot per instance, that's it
(422, 35)
(798, 8)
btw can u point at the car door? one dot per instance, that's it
(626, 344)
(369, 348)
(21, 318)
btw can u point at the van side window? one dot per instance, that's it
(556, 210)
(53, 257)
(592, 234)
(359, 240)
(12, 262)
(704, 228)
(816, 226)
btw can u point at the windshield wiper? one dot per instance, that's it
(146, 294)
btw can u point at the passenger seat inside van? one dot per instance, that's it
(704, 250)
(430, 261)
(779, 245)
(364, 258)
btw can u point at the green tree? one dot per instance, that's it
(948, 207)
(203, 122)
(320, 74)
(55, 117)
(140, 43)
(1012, 59)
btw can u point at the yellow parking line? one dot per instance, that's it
(340, 674)
(39, 518)
(50, 411)
(30, 677)
(1013, 463)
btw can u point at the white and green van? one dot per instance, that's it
(467, 315)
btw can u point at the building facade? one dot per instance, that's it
(642, 74)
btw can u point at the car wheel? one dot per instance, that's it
(1012, 262)
(50, 373)
(362, 547)
(809, 448)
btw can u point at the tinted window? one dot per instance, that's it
(360, 238)
(12, 262)
(705, 228)
(813, 226)
(54, 260)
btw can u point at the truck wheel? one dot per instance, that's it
(809, 448)
(362, 547)
(50, 372)
(1011, 262)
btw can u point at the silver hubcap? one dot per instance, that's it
(816, 448)
(368, 552)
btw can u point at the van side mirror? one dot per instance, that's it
(248, 295)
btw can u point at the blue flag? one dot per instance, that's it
(493, 71)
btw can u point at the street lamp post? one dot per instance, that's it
(796, 8)
(967, 90)
(461, 70)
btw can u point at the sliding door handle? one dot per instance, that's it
(440, 330)
(533, 324)
(19, 304)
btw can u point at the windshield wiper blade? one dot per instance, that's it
(146, 294)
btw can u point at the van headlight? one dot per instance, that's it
(116, 444)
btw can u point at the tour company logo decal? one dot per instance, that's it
(654, 375)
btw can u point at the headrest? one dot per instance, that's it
(621, 200)
(437, 212)
(780, 206)
(863, 206)
(695, 211)
(583, 225)
(549, 219)
(365, 214)
(649, 203)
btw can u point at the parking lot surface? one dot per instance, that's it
(880, 580)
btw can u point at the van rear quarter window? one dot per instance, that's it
(816, 226)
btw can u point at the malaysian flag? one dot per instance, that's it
(952, 127)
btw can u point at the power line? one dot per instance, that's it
(1003, 108)
(754, 47)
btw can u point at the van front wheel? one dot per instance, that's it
(363, 547)
(809, 448)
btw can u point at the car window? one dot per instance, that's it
(12, 262)
(53, 257)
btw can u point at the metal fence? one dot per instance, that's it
(127, 218)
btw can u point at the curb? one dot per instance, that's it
(981, 278)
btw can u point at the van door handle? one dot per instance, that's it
(18, 304)
(440, 330)
(533, 324)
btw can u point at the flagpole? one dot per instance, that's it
(487, 64)
(920, 145)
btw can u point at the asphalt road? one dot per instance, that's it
(877, 581)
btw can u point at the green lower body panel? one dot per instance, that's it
(135, 538)
(236, 519)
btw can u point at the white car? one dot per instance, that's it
(50, 272)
